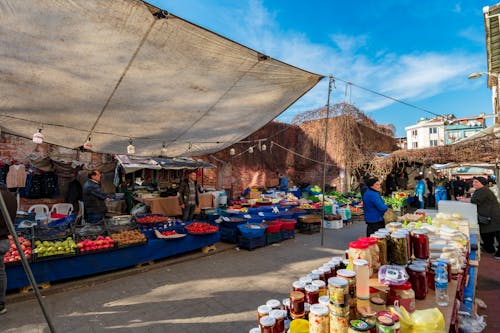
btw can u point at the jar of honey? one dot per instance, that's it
(280, 316)
(297, 300)
(267, 324)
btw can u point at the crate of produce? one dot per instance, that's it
(252, 243)
(288, 224)
(95, 244)
(229, 235)
(151, 218)
(129, 238)
(273, 237)
(273, 227)
(54, 249)
(201, 228)
(309, 228)
(287, 234)
(250, 230)
(233, 222)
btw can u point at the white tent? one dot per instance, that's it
(118, 70)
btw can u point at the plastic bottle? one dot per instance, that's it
(441, 282)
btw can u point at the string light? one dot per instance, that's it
(88, 144)
(232, 152)
(38, 137)
(164, 149)
(130, 147)
(250, 150)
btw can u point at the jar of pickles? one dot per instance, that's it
(297, 305)
(420, 244)
(418, 280)
(338, 289)
(350, 276)
(403, 294)
(397, 249)
(325, 300)
(312, 294)
(321, 287)
(374, 251)
(360, 250)
(319, 319)
(382, 246)
(339, 324)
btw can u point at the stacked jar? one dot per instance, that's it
(350, 276)
(397, 249)
(382, 246)
(321, 287)
(338, 289)
(420, 244)
(374, 251)
(319, 319)
(418, 280)
(360, 250)
(297, 305)
(280, 317)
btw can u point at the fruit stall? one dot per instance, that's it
(64, 250)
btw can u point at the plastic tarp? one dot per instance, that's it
(123, 69)
(134, 163)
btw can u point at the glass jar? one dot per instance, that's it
(396, 326)
(350, 276)
(286, 306)
(274, 304)
(358, 325)
(430, 278)
(418, 280)
(262, 311)
(267, 324)
(345, 263)
(377, 304)
(362, 279)
(325, 300)
(312, 294)
(327, 270)
(313, 276)
(420, 244)
(280, 316)
(297, 304)
(394, 226)
(321, 287)
(305, 280)
(382, 246)
(374, 292)
(360, 250)
(374, 251)
(333, 269)
(339, 324)
(385, 324)
(397, 250)
(338, 289)
(370, 318)
(403, 294)
(299, 286)
(319, 319)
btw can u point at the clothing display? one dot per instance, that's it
(16, 176)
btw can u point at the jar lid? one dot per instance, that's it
(384, 320)
(360, 262)
(277, 314)
(338, 282)
(398, 235)
(274, 303)
(307, 307)
(378, 235)
(389, 314)
(404, 286)
(296, 295)
(286, 302)
(358, 245)
(254, 330)
(419, 232)
(394, 225)
(417, 267)
(345, 262)
(264, 309)
(377, 300)
(305, 279)
(317, 271)
(319, 309)
(313, 276)
(369, 240)
(268, 321)
(324, 269)
(329, 265)
(298, 284)
(318, 283)
(359, 325)
(346, 273)
(325, 300)
(311, 288)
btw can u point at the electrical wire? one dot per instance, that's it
(300, 155)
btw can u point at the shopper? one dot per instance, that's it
(440, 191)
(283, 184)
(420, 191)
(94, 198)
(430, 192)
(188, 196)
(373, 206)
(11, 203)
(488, 208)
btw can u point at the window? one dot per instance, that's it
(433, 143)
(414, 145)
(433, 130)
(414, 132)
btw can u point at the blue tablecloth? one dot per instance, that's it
(88, 264)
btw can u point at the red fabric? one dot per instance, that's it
(57, 216)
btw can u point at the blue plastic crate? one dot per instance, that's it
(234, 223)
(287, 234)
(229, 235)
(247, 232)
(252, 243)
(274, 237)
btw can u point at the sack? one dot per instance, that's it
(390, 216)
(484, 220)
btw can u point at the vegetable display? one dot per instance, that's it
(201, 228)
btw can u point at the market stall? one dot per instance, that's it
(169, 206)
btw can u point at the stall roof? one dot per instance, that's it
(134, 163)
(123, 69)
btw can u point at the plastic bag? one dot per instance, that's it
(428, 320)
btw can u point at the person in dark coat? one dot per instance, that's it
(74, 194)
(487, 206)
(11, 203)
(188, 196)
(94, 198)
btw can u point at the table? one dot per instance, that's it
(81, 265)
(169, 206)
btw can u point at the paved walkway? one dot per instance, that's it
(214, 293)
(488, 289)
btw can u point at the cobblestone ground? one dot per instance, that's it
(192, 293)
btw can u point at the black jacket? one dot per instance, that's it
(11, 203)
(184, 192)
(93, 198)
(487, 205)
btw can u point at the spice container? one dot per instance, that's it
(377, 304)
(299, 286)
(362, 279)
(338, 289)
(397, 249)
(420, 244)
(382, 246)
(418, 280)
(274, 304)
(403, 294)
(312, 294)
(358, 325)
(267, 324)
(319, 319)
(297, 304)
(350, 276)
(280, 316)
(321, 287)
(339, 324)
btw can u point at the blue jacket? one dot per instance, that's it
(283, 186)
(373, 206)
(420, 188)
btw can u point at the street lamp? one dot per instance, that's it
(496, 90)
(477, 75)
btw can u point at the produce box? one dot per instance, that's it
(129, 238)
(229, 235)
(310, 218)
(287, 234)
(252, 243)
(274, 237)
(253, 195)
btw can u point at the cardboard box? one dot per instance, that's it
(253, 195)
(336, 224)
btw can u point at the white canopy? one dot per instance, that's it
(121, 69)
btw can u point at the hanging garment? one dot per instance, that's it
(16, 176)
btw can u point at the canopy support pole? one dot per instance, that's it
(27, 268)
(330, 83)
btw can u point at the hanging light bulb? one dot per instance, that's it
(232, 151)
(250, 150)
(164, 149)
(38, 137)
(263, 147)
(130, 147)
(88, 144)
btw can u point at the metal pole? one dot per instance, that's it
(27, 269)
(330, 82)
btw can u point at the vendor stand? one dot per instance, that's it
(169, 206)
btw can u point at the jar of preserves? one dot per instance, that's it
(377, 304)
(274, 304)
(286, 306)
(397, 250)
(320, 273)
(333, 269)
(319, 319)
(403, 294)
(280, 316)
(297, 304)
(313, 276)
(382, 246)
(312, 294)
(350, 276)
(420, 244)
(305, 280)
(339, 324)
(299, 286)
(358, 325)
(430, 278)
(327, 270)
(338, 289)
(418, 280)
(360, 250)
(262, 311)
(321, 287)
(267, 324)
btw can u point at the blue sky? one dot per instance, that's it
(417, 51)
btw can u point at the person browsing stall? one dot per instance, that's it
(374, 206)
(188, 196)
(11, 203)
(94, 198)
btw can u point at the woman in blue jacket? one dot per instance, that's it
(420, 191)
(374, 206)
